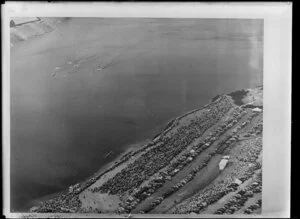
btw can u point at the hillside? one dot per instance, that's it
(207, 161)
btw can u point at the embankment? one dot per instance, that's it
(26, 31)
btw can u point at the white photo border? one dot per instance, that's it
(277, 82)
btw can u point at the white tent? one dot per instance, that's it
(237, 181)
(223, 164)
(256, 109)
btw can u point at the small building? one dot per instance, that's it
(223, 164)
(257, 110)
(237, 181)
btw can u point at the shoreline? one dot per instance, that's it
(111, 165)
(102, 170)
(122, 158)
(131, 148)
(118, 159)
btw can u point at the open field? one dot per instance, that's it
(206, 161)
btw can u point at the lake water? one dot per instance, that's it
(96, 85)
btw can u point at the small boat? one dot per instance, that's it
(108, 154)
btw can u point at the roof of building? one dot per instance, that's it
(257, 109)
(222, 164)
(237, 181)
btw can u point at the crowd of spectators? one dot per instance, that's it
(244, 170)
(158, 157)
(182, 161)
(160, 152)
(253, 207)
(61, 204)
(187, 157)
(240, 198)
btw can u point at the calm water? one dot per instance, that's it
(66, 115)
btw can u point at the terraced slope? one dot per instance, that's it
(206, 161)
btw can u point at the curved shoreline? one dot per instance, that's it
(122, 158)
(118, 160)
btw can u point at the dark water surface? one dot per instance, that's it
(67, 112)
